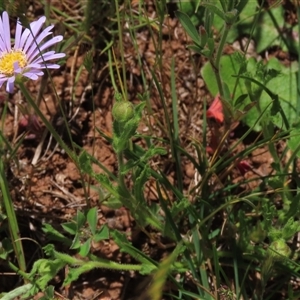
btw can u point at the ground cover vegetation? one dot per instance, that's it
(149, 149)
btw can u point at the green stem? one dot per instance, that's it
(298, 83)
(121, 49)
(120, 175)
(98, 263)
(216, 67)
(11, 218)
(125, 196)
(219, 55)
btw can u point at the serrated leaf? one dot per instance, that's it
(104, 181)
(49, 292)
(179, 207)
(19, 291)
(53, 234)
(141, 176)
(147, 269)
(128, 166)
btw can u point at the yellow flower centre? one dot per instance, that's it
(8, 59)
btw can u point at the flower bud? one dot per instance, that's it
(231, 16)
(258, 234)
(203, 36)
(123, 111)
(279, 250)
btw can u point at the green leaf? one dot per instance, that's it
(92, 219)
(144, 158)
(85, 248)
(240, 100)
(125, 246)
(104, 182)
(102, 234)
(49, 293)
(141, 176)
(287, 92)
(85, 163)
(5, 248)
(229, 67)
(197, 49)
(223, 4)
(265, 28)
(214, 9)
(53, 234)
(290, 228)
(19, 291)
(179, 207)
(76, 242)
(294, 140)
(70, 227)
(155, 290)
(80, 220)
(266, 34)
(211, 45)
(247, 12)
(188, 26)
(113, 203)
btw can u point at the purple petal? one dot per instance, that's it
(32, 76)
(5, 33)
(2, 43)
(35, 28)
(10, 84)
(49, 43)
(24, 37)
(6, 28)
(52, 66)
(38, 40)
(26, 33)
(17, 68)
(45, 55)
(48, 56)
(18, 35)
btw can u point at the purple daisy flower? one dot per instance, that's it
(26, 58)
